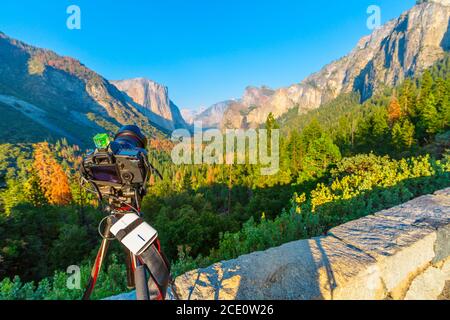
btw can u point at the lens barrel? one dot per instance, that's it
(131, 135)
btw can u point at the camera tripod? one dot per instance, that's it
(136, 274)
(147, 285)
(119, 171)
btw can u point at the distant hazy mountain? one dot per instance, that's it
(153, 100)
(212, 116)
(47, 96)
(402, 47)
(190, 114)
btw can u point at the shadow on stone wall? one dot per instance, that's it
(361, 252)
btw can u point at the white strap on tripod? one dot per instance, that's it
(134, 233)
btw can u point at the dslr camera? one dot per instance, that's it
(119, 169)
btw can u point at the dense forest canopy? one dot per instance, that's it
(340, 162)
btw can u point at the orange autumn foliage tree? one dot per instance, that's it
(161, 145)
(211, 176)
(394, 110)
(53, 180)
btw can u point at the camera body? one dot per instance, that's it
(120, 169)
(117, 167)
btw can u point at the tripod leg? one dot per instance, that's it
(140, 278)
(131, 266)
(98, 262)
(136, 276)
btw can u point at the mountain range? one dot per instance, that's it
(47, 96)
(401, 48)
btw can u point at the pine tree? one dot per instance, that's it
(426, 85)
(403, 135)
(59, 191)
(33, 191)
(210, 176)
(408, 133)
(271, 123)
(407, 98)
(379, 129)
(311, 132)
(428, 118)
(321, 153)
(295, 152)
(442, 103)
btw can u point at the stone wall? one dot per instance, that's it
(400, 253)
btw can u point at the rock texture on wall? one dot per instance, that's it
(400, 253)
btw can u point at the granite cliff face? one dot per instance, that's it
(402, 47)
(153, 100)
(61, 97)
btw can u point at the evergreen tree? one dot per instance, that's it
(426, 86)
(374, 131)
(295, 152)
(442, 94)
(428, 118)
(33, 191)
(407, 98)
(271, 123)
(403, 135)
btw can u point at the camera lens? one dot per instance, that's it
(131, 135)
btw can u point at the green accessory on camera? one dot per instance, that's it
(101, 141)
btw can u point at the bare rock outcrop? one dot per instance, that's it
(402, 47)
(153, 100)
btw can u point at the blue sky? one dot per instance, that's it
(205, 51)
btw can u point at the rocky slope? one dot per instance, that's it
(402, 47)
(153, 100)
(62, 97)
